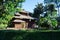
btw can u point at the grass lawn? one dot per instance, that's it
(30, 34)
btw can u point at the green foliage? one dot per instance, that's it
(48, 21)
(18, 9)
(38, 10)
(51, 8)
(54, 23)
(3, 26)
(7, 10)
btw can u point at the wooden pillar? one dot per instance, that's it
(24, 25)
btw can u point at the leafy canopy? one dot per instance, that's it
(7, 10)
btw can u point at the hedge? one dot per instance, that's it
(27, 35)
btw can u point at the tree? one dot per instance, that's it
(51, 8)
(8, 8)
(38, 10)
(48, 21)
(56, 3)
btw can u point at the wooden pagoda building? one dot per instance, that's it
(23, 20)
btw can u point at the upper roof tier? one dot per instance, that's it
(23, 17)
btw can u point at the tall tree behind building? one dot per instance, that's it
(38, 10)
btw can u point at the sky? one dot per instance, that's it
(29, 5)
